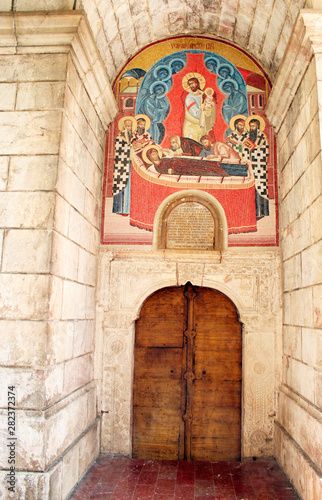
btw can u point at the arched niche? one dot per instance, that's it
(190, 220)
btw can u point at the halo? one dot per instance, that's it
(163, 84)
(147, 148)
(175, 60)
(256, 117)
(225, 65)
(209, 88)
(187, 77)
(146, 118)
(234, 118)
(228, 80)
(214, 59)
(122, 120)
(162, 66)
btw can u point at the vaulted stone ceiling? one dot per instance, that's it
(122, 27)
(261, 27)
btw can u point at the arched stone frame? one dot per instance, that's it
(191, 195)
(248, 280)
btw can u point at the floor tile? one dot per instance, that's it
(117, 478)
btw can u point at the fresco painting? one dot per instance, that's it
(191, 116)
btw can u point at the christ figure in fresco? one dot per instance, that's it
(199, 118)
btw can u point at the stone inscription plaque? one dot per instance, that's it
(190, 225)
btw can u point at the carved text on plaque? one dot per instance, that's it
(190, 225)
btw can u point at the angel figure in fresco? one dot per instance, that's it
(122, 165)
(235, 102)
(156, 106)
(256, 150)
(199, 118)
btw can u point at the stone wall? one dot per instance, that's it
(298, 122)
(250, 278)
(52, 140)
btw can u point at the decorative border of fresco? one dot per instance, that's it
(162, 86)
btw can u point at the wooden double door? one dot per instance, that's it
(187, 376)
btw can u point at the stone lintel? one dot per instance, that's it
(61, 31)
(305, 41)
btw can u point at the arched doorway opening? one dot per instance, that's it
(187, 376)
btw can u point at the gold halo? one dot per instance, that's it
(209, 88)
(146, 149)
(234, 118)
(187, 77)
(256, 117)
(122, 120)
(146, 118)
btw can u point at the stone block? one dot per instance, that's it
(64, 257)
(70, 470)
(311, 265)
(308, 483)
(82, 232)
(67, 142)
(61, 216)
(4, 167)
(31, 173)
(22, 343)
(90, 302)
(31, 486)
(292, 273)
(60, 341)
(74, 300)
(299, 158)
(39, 95)
(27, 209)
(301, 307)
(78, 372)
(87, 268)
(46, 5)
(55, 481)
(72, 416)
(7, 96)
(55, 297)
(29, 384)
(92, 209)
(312, 347)
(24, 296)
(311, 183)
(27, 251)
(83, 337)
(30, 450)
(33, 67)
(30, 132)
(302, 423)
(5, 5)
(317, 305)
(70, 187)
(301, 229)
(89, 448)
(302, 379)
(286, 179)
(313, 139)
(54, 384)
(292, 341)
(316, 217)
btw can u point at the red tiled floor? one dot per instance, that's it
(118, 478)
